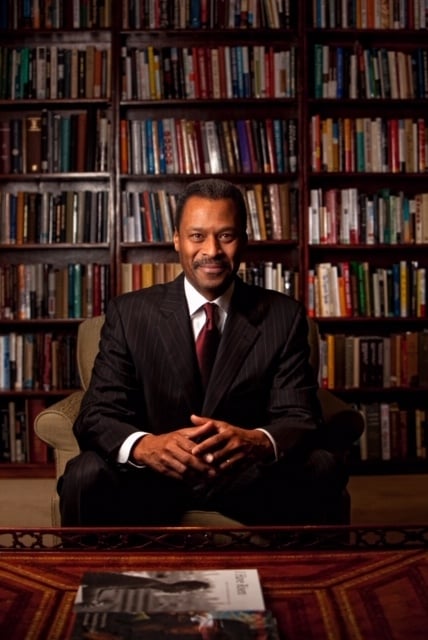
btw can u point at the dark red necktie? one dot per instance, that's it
(207, 343)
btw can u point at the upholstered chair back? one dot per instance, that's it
(88, 338)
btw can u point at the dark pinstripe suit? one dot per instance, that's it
(146, 377)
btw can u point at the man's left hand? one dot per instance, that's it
(229, 445)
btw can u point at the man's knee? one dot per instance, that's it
(85, 487)
(324, 467)
(82, 472)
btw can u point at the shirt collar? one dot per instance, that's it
(195, 300)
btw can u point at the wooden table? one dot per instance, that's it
(350, 592)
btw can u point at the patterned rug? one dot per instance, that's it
(315, 595)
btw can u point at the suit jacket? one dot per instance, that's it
(146, 376)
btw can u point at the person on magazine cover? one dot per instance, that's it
(157, 440)
(107, 591)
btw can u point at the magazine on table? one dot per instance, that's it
(206, 604)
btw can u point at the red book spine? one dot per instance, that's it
(345, 273)
(394, 156)
(124, 149)
(201, 73)
(136, 277)
(269, 73)
(148, 226)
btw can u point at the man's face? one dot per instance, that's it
(210, 243)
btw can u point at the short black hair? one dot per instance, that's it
(213, 189)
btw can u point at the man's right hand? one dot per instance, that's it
(171, 453)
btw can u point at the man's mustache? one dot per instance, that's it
(208, 262)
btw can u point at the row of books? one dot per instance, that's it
(18, 440)
(199, 14)
(148, 216)
(55, 142)
(349, 216)
(55, 14)
(35, 291)
(277, 276)
(49, 218)
(38, 361)
(135, 275)
(357, 289)
(397, 145)
(393, 432)
(370, 14)
(225, 72)
(271, 275)
(52, 72)
(272, 211)
(178, 145)
(358, 72)
(373, 361)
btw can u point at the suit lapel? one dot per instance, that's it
(240, 335)
(177, 336)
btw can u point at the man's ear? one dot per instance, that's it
(176, 239)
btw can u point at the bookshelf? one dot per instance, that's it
(56, 201)
(320, 118)
(193, 101)
(367, 219)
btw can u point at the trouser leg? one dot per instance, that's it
(94, 493)
(309, 491)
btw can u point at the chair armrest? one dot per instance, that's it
(54, 426)
(344, 423)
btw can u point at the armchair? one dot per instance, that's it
(54, 425)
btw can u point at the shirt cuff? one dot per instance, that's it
(125, 449)
(273, 443)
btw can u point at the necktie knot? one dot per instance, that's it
(207, 342)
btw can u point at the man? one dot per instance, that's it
(156, 440)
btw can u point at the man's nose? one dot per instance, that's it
(212, 245)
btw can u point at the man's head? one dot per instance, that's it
(210, 234)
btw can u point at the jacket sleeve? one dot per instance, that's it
(113, 406)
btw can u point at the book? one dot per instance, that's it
(5, 159)
(149, 603)
(371, 440)
(33, 149)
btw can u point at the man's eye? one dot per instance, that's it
(196, 237)
(226, 237)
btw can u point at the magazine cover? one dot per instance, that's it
(155, 591)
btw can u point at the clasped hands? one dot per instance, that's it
(203, 451)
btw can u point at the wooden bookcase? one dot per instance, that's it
(365, 106)
(295, 52)
(57, 195)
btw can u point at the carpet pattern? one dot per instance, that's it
(371, 595)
